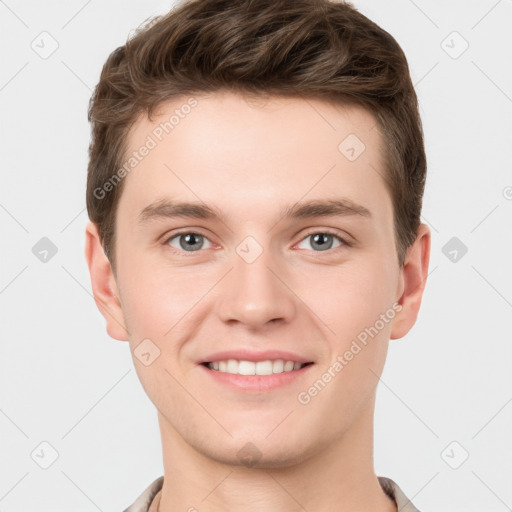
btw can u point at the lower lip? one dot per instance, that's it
(256, 382)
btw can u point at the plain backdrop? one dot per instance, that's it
(69, 394)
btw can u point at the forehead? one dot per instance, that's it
(225, 148)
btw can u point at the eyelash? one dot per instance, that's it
(344, 241)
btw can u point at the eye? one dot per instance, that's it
(323, 240)
(188, 241)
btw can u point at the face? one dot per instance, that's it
(287, 254)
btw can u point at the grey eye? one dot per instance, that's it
(321, 241)
(189, 242)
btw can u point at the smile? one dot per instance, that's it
(268, 367)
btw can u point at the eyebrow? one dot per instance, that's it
(166, 208)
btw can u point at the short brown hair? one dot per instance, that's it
(322, 49)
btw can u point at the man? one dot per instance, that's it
(255, 186)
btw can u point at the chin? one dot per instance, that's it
(258, 450)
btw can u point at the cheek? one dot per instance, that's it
(357, 305)
(167, 306)
(350, 297)
(155, 299)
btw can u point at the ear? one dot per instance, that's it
(414, 278)
(103, 283)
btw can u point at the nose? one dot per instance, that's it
(256, 293)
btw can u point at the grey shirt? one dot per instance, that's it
(148, 501)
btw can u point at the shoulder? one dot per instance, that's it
(392, 489)
(143, 502)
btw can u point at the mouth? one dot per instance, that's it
(259, 368)
(255, 372)
(255, 377)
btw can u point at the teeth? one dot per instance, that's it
(288, 366)
(252, 368)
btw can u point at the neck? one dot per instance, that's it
(338, 476)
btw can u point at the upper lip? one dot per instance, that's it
(250, 355)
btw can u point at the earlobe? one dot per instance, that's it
(103, 284)
(414, 279)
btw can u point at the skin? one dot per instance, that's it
(250, 159)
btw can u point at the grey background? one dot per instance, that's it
(63, 381)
